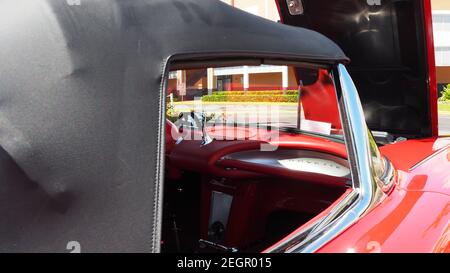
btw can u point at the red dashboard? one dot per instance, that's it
(243, 187)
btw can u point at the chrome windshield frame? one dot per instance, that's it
(368, 188)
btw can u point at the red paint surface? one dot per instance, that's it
(405, 155)
(415, 217)
(406, 221)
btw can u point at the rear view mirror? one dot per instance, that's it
(295, 7)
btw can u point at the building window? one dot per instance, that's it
(441, 22)
(443, 56)
(172, 75)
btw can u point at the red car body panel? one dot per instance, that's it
(404, 155)
(400, 224)
(415, 217)
(427, 157)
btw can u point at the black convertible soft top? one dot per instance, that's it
(81, 99)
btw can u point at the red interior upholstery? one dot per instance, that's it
(321, 93)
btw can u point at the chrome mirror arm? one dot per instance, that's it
(199, 121)
(206, 139)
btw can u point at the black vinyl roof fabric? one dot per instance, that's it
(80, 111)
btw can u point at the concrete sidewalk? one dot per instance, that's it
(444, 123)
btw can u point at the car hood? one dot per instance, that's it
(392, 59)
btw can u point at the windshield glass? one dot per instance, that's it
(296, 99)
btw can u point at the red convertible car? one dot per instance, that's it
(159, 126)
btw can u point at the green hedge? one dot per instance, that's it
(445, 94)
(264, 92)
(253, 96)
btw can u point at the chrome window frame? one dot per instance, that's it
(368, 188)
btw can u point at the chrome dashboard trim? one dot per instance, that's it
(276, 159)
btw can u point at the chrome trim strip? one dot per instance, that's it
(418, 164)
(388, 177)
